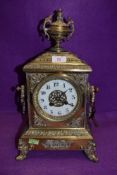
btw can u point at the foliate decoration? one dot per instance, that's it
(55, 67)
(90, 151)
(77, 122)
(38, 121)
(73, 132)
(56, 144)
(80, 78)
(35, 78)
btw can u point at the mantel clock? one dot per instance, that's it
(58, 93)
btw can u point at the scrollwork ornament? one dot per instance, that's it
(77, 122)
(35, 78)
(38, 121)
(80, 78)
(58, 133)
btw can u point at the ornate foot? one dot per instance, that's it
(21, 156)
(90, 151)
(23, 148)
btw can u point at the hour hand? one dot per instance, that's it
(51, 104)
(66, 103)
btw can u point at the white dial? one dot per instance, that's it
(57, 97)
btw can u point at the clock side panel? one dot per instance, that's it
(79, 120)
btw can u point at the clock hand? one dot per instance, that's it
(66, 103)
(51, 104)
(65, 91)
(63, 94)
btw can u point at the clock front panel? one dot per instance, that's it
(57, 100)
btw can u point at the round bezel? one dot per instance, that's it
(44, 114)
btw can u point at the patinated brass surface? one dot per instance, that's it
(43, 63)
(58, 133)
(57, 29)
(47, 133)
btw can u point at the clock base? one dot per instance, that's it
(80, 139)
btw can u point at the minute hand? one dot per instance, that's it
(65, 91)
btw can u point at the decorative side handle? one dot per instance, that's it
(21, 89)
(47, 21)
(92, 109)
(71, 26)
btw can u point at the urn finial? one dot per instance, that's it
(57, 29)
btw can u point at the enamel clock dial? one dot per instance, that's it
(57, 98)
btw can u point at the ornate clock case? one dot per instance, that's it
(58, 93)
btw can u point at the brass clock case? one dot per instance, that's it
(45, 115)
(55, 128)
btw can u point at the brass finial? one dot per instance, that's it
(59, 15)
(57, 29)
